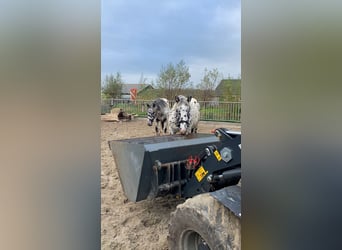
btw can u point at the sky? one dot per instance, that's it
(138, 38)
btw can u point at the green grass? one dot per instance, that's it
(221, 113)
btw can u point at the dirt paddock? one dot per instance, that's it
(125, 224)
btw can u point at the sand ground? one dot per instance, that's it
(125, 224)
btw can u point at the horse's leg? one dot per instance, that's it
(163, 126)
(172, 130)
(157, 129)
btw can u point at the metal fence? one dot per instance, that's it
(210, 111)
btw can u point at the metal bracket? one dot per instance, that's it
(230, 197)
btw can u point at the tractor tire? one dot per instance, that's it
(202, 222)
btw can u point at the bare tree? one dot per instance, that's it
(172, 79)
(142, 80)
(112, 86)
(209, 82)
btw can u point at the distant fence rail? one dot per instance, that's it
(210, 111)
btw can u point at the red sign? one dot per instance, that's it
(133, 93)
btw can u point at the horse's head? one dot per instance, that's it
(150, 114)
(183, 116)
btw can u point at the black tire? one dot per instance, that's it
(203, 223)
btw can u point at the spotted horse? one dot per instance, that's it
(184, 115)
(159, 111)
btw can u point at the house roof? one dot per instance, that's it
(235, 85)
(126, 87)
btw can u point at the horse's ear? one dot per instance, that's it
(189, 98)
(177, 98)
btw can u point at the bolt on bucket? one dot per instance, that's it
(135, 158)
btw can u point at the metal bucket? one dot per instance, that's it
(135, 158)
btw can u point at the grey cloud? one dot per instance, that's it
(142, 37)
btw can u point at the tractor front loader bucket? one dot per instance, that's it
(136, 159)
